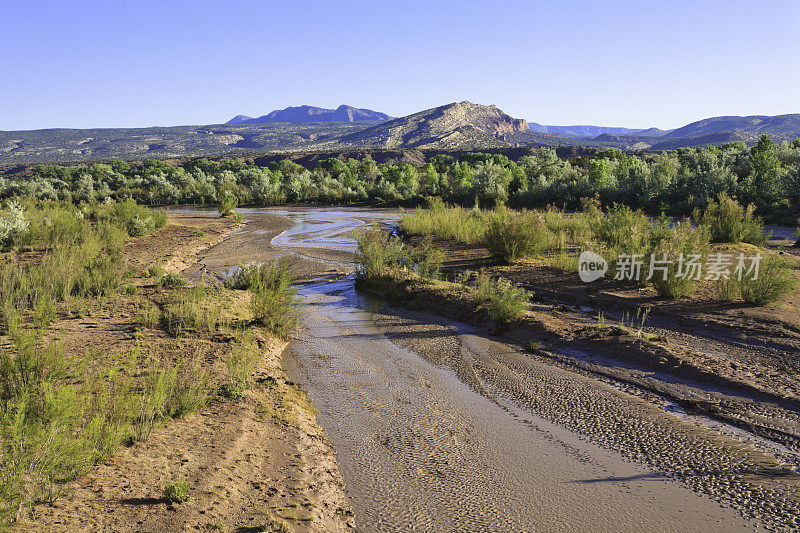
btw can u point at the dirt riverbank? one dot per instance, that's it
(259, 462)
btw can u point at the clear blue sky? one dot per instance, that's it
(615, 63)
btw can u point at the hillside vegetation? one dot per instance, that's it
(765, 176)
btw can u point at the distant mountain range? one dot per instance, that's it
(307, 113)
(587, 131)
(453, 127)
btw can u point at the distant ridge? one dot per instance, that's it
(459, 126)
(588, 131)
(306, 113)
(781, 127)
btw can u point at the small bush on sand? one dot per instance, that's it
(177, 491)
(377, 252)
(273, 296)
(171, 281)
(227, 204)
(504, 301)
(729, 222)
(774, 282)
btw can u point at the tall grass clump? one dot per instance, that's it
(273, 297)
(194, 310)
(673, 247)
(728, 222)
(450, 222)
(240, 364)
(513, 236)
(774, 282)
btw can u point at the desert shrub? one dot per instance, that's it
(13, 224)
(671, 251)
(136, 219)
(774, 282)
(194, 310)
(428, 260)
(241, 362)
(273, 299)
(620, 230)
(171, 281)
(504, 301)
(727, 221)
(177, 491)
(727, 289)
(227, 204)
(60, 417)
(513, 236)
(441, 220)
(378, 251)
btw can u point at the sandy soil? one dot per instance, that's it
(261, 463)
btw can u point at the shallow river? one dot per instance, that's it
(420, 449)
(433, 423)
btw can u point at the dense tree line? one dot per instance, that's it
(765, 175)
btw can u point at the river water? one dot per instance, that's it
(423, 448)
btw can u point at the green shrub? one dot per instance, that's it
(729, 222)
(273, 299)
(227, 204)
(136, 219)
(155, 271)
(171, 281)
(727, 290)
(774, 282)
(504, 301)
(428, 260)
(620, 230)
(177, 491)
(682, 240)
(511, 236)
(378, 251)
